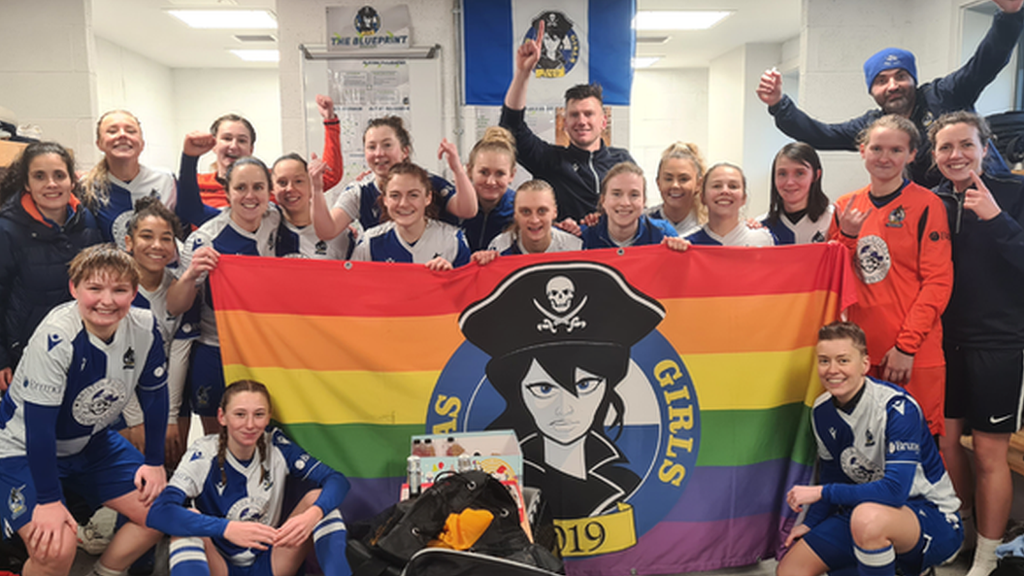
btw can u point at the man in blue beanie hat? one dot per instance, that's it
(891, 77)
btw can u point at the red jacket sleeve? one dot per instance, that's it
(332, 154)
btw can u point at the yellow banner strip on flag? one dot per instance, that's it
(597, 535)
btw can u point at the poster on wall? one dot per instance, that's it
(363, 90)
(366, 27)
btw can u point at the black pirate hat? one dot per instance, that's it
(556, 23)
(560, 304)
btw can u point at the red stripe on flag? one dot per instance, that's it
(363, 289)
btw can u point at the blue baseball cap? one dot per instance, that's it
(887, 60)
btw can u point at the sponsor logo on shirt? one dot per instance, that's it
(40, 387)
(52, 340)
(901, 446)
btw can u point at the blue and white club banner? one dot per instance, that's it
(585, 41)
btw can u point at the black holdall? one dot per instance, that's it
(386, 543)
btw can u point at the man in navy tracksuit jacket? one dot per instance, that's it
(575, 172)
(892, 81)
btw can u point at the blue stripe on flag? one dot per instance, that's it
(612, 45)
(489, 50)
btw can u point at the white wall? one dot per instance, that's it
(725, 108)
(173, 102)
(740, 129)
(201, 95)
(667, 105)
(761, 139)
(46, 73)
(129, 81)
(998, 97)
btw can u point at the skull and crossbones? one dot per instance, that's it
(560, 292)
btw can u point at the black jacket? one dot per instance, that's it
(987, 305)
(573, 172)
(34, 261)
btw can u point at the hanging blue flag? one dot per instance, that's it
(585, 41)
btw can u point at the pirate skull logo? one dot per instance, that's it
(560, 291)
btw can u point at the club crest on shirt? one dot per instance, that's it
(869, 438)
(873, 260)
(100, 403)
(129, 359)
(248, 509)
(203, 396)
(859, 467)
(16, 502)
(119, 227)
(896, 218)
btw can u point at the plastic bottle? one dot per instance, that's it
(414, 476)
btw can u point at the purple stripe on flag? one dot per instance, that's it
(696, 545)
(715, 491)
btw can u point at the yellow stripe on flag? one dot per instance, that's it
(753, 381)
(351, 397)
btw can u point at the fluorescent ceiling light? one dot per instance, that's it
(227, 19)
(679, 19)
(645, 61)
(257, 55)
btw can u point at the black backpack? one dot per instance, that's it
(386, 543)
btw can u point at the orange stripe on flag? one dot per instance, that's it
(402, 344)
(738, 324)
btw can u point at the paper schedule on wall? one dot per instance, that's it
(363, 90)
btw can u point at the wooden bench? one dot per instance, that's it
(1015, 455)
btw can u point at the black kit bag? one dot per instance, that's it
(385, 544)
(1009, 566)
(443, 562)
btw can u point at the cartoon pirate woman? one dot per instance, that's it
(559, 336)
(555, 43)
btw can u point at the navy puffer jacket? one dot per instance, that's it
(34, 259)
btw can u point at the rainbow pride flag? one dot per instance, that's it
(661, 399)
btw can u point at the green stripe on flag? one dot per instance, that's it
(357, 450)
(743, 437)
